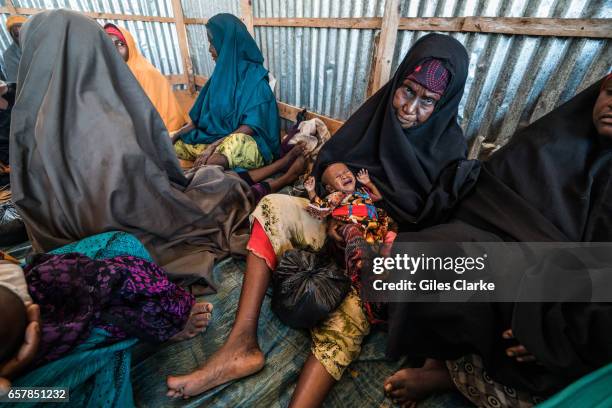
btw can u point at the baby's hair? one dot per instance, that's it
(13, 323)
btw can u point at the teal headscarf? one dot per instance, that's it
(237, 92)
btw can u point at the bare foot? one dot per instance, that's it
(294, 171)
(234, 360)
(197, 323)
(291, 155)
(410, 385)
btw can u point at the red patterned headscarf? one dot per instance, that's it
(432, 75)
(112, 29)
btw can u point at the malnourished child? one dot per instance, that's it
(349, 204)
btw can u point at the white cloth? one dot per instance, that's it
(12, 278)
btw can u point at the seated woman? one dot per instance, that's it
(407, 137)
(551, 182)
(235, 116)
(154, 83)
(116, 169)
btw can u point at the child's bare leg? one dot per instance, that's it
(313, 386)
(240, 356)
(262, 173)
(197, 323)
(290, 176)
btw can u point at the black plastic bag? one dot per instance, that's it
(12, 228)
(307, 287)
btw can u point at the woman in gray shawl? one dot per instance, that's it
(89, 154)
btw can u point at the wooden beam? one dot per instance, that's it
(200, 80)
(290, 112)
(101, 16)
(11, 7)
(178, 79)
(246, 11)
(201, 21)
(381, 66)
(558, 27)
(181, 31)
(370, 23)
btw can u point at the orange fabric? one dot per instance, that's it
(260, 245)
(15, 19)
(356, 210)
(155, 85)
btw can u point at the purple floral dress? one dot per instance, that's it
(125, 295)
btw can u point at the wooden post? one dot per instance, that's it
(246, 10)
(11, 7)
(181, 31)
(381, 66)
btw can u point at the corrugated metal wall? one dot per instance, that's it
(157, 41)
(513, 80)
(196, 33)
(324, 69)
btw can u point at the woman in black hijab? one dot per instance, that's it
(551, 183)
(407, 137)
(414, 154)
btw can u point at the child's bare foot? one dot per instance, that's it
(197, 323)
(409, 385)
(235, 359)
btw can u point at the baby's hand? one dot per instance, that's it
(309, 184)
(363, 177)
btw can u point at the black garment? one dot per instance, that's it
(552, 182)
(421, 172)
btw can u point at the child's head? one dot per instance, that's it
(13, 322)
(338, 177)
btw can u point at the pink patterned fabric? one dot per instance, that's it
(432, 75)
(125, 295)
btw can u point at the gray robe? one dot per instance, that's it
(11, 56)
(89, 153)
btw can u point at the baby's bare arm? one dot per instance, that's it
(375, 194)
(309, 185)
(364, 178)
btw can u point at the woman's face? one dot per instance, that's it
(602, 112)
(413, 103)
(211, 47)
(15, 30)
(121, 47)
